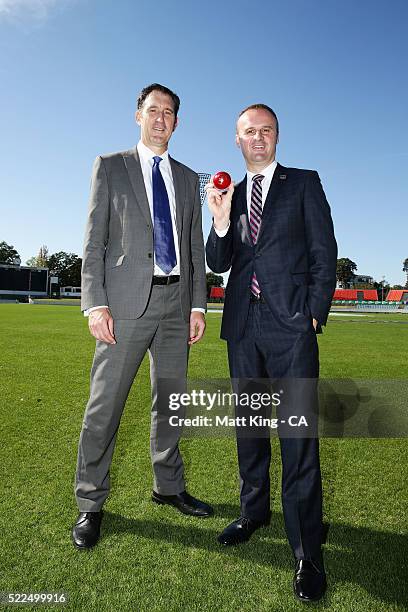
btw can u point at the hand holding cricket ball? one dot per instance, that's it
(219, 194)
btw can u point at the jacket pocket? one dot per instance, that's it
(113, 261)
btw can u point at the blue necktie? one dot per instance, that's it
(164, 250)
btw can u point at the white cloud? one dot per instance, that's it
(17, 10)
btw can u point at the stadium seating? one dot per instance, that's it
(355, 294)
(397, 295)
(217, 293)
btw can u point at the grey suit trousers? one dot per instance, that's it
(163, 332)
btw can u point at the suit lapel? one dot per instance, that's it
(134, 169)
(241, 197)
(273, 194)
(180, 193)
(242, 211)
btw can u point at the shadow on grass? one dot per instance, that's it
(376, 561)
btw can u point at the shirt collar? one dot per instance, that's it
(147, 154)
(266, 172)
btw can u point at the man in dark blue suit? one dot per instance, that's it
(275, 232)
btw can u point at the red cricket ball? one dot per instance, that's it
(221, 180)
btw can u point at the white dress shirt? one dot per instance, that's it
(268, 173)
(146, 162)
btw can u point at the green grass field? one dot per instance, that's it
(151, 558)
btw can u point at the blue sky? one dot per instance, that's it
(335, 73)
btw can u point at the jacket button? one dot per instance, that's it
(148, 226)
(149, 255)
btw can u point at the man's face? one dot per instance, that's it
(157, 121)
(257, 138)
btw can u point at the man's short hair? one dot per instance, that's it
(263, 107)
(157, 87)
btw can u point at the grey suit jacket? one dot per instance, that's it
(117, 267)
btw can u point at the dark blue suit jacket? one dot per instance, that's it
(294, 259)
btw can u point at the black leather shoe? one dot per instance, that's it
(309, 581)
(185, 503)
(87, 529)
(240, 531)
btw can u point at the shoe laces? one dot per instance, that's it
(91, 516)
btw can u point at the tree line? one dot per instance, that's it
(345, 275)
(67, 267)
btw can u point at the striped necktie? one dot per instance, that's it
(255, 220)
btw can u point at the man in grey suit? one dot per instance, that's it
(144, 289)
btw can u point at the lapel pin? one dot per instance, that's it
(282, 177)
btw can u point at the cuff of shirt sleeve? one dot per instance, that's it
(198, 310)
(88, 312)
(221, 233)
